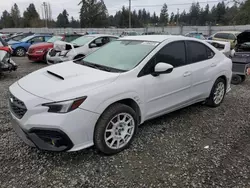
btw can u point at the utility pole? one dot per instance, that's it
(45, 13)
(129, 14)
(177, 17)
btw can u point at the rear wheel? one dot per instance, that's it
(217, 93)
(20, 52)
(236, 79)
(115, 129)
(243, 77)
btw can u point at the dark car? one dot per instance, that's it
(241, 58)
(37, 52)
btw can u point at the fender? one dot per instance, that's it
(128, 95)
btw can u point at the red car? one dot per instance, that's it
(37, 52)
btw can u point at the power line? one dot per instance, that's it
(179, 4)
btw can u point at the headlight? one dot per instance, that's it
(40, 51)
(65, 106)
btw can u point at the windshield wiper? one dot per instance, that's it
(100, 67)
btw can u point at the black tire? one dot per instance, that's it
(210, 100)
(236, 79)
(103, 122)
(20, 52)
(79, 56)
(243, 77)
(45, 57)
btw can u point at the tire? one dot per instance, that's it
(236, 79)
(217, 93)
(243, 78)
(107, 135)
(79, 56)
(20, 52)
(45, 57)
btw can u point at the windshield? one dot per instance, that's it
(82, 40)
(26, 38)
(55, 38)
(122, 55)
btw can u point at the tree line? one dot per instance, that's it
(94, 13)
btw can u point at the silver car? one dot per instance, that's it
(78, 48)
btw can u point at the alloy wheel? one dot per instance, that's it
(119, 130)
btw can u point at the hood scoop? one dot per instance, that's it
(54, 74)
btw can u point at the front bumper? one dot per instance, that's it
(36, 57)
(71, 131)
(57, 59)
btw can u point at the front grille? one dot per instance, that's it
(52, 53)
(17, 106)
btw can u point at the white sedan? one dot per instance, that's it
(102, 99)
(78, 48)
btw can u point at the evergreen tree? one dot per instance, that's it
(15, 14)
(164, 15)
(31, 17)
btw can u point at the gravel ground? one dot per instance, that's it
(194, 147)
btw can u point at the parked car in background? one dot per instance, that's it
(224, 47)
(4, 35)
(195, 35)
(21, 47)
(78, 48)
(102, 99)
(38, 52)
(6, 63)
(4, 46)
(227, 36)
(241, 58)
(129, 33)
(18, 36)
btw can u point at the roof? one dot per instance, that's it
(233, 32)
(155, 38)
(37, 35)
(100, 35)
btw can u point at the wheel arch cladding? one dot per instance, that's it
(132, 104)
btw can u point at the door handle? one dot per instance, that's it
(186, 74)
(213, 65)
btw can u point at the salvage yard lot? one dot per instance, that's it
(194, 147)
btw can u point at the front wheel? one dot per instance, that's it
(115, 129)
(217, 93)
(20, 52)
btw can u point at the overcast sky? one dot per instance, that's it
(112, 5)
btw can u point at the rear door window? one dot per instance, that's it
(221, 35)
(198, 52)
(231, 37)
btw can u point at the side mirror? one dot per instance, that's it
(162, 68)
(92, 45)
(31, 42)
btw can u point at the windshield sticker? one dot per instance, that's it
(150, 43)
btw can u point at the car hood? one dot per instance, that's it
(42, 45)
(11, 42)
(243, 37)
(65, 81)
(61, 46)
